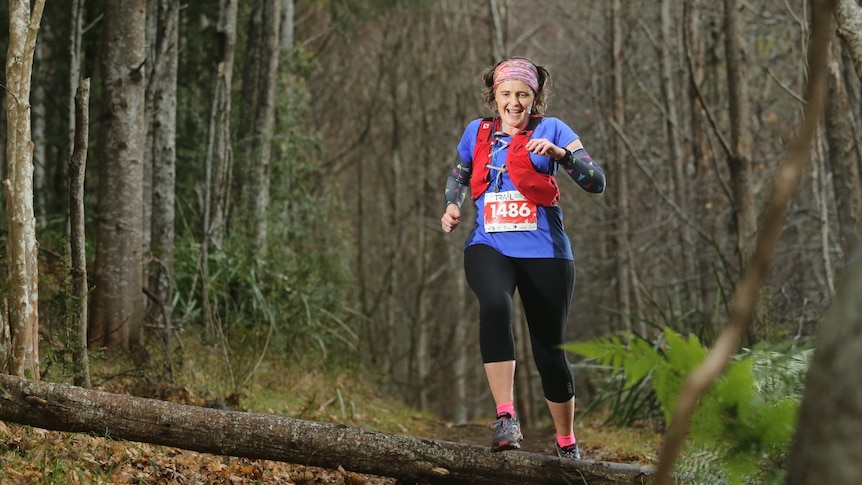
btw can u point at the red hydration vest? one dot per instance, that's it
(540, 188)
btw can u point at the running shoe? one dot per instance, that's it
(508, 433)
(571, 451)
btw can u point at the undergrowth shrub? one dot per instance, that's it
(742, 428)
(296, 303)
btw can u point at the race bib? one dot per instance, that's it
(509, 211)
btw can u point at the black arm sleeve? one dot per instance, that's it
(457, 183)
(583, 170)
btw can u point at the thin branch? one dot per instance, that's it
(786, 88)
(92, 24)
(35, 20)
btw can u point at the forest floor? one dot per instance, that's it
(32, 455)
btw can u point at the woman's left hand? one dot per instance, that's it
(544, 147)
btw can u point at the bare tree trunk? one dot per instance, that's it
(5, 331)
(843, 158)
(151, 65)
(288, 11)
(75, 36)
(76, 33)
(77, 315)
(424, 358)
(400, 335)
(4, 139)
(702, 157)
(23, 294)
(670, 86)
(461, 348)
(117, 315)
(162, 152)
(498, 13)
(739, 158)
(848, 16)
(854, 94)
(823, 271)
(40, 143)
(623, 258)
(219, 153)
(258, 121)
(270, 437)
(826, 447)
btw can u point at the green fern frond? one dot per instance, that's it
(609, 351)
(747, 417)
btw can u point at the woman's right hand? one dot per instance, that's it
(450, 218)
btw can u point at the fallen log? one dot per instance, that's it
(411, 460)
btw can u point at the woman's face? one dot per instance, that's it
(514, 103)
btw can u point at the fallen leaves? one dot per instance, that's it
(32, 455)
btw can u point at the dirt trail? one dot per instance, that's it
(540, 439)
(535, 440)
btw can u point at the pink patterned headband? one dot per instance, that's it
(517, 70)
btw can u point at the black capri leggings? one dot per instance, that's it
(545, 286)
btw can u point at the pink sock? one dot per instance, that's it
(506, 408)
(564, 441)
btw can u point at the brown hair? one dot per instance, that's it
(542, 95)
